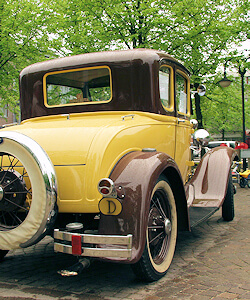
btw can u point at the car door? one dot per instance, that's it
(183, 126)
(168, 119)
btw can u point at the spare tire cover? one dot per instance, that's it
(28, 191)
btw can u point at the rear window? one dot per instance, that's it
(80, 86)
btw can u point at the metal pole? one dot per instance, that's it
(242, 74)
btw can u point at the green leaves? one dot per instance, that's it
(199, 33)
(24, 31)
(223, 109)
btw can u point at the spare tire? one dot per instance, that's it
(28, 191)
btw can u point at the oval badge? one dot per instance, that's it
(110, 206)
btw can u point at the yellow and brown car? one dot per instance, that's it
(101, 157)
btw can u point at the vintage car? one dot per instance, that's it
(101, 157)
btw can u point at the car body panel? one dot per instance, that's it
(136, 174)
(92, 143)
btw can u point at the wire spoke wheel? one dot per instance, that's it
(159, 227)
(160, 235)
(15, 192)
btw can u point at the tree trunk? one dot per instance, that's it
(198, 107)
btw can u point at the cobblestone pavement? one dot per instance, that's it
(211, 262)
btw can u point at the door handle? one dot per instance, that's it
(180, 121)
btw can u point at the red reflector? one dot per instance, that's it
(104, 191)
(76, 245)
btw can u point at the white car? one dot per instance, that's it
(218, 143)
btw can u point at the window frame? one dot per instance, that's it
(188, 104)
(171, 88)
(76, 70)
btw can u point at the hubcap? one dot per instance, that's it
(1, 193)
(168, 226)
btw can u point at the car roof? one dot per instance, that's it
(96, 58)
(134, 81)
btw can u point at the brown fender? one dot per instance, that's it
(136, 174)
(208, 186)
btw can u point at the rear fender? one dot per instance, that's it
(135, 176)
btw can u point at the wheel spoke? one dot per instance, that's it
(20, 178)
(156, 249)
(3, 217)
(28, 191)
(10, 167)
(16, 220)
(156, 227)
(12, 181)
(16, 201)
(16, 204)
(4, 175)
(5, 172)
(156, 237)
(157, 205)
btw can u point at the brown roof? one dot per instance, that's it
(134, 75)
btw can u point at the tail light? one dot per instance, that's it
(106, 188)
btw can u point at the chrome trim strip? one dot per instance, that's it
(9, 125)
(127, 116)
(94, 238)
(70, 165)
(49, 177)
(95, 252)
(107, 241)
(62, 248)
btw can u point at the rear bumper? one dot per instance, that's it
(93, 245)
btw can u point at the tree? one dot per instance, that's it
(221, 26)
(179, 27)
(222, 107)
(24, 39)
(196, 32)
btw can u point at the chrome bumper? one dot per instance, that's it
(93, 245)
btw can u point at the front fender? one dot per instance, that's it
(208, 186)
(136, 174)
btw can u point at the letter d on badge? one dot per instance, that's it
(110, 206)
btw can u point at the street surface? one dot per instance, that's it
(211, 262)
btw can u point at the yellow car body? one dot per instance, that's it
(81, 162)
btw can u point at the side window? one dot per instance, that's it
(165, 87)
(181, 94)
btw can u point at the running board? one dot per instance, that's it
(200, 214)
